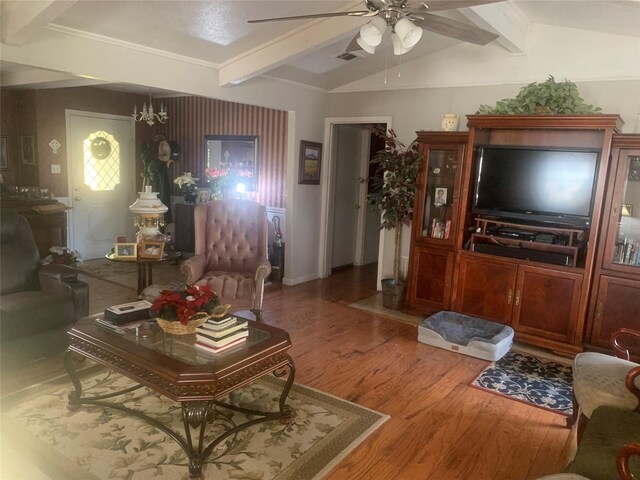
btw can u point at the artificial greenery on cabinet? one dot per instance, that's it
(549, 97)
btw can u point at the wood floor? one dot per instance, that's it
(439, 428)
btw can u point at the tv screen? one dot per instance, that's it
(544, 185)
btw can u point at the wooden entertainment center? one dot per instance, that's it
(561, 287)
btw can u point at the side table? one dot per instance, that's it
(145, 266)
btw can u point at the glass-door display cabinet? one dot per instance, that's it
(435, 220)
(616, 303)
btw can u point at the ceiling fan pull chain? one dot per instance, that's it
(386, 61)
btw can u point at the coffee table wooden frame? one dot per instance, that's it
(195, 387)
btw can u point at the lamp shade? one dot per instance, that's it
(372, 32)
(148, 203)
(409, 33)
(365, 46)
(398, 49)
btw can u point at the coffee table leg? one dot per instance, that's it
(285, 410)
(197, 414)
(74, 397)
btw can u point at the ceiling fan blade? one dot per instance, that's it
(454, 29)
(362, 13)
(353, 45)
(435, 5)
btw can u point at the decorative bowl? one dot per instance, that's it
(220, 311)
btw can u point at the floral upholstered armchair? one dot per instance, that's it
(230, 252)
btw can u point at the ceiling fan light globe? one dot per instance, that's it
(398, 48)
(365, 46)
(373, 31)
(409, 33)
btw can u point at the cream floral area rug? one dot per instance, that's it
(98, 443)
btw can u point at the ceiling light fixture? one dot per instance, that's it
(405, 35)
(147, 114)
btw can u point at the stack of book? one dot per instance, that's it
(216, 335)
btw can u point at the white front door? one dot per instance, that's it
(101, 163)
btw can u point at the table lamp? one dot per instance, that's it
(148, 212)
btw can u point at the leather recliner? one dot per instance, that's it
(230, 252)
(38, 303)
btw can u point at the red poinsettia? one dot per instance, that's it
(182, 304)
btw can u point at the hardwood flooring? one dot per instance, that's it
(440, 428)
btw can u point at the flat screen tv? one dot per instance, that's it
(536, 185)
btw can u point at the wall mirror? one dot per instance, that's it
(237, 154)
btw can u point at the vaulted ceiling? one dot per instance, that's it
(216, 34)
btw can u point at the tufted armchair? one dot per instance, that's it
(230, 252)
(600, 379)
(38, 303)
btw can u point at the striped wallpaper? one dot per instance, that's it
(191, 118)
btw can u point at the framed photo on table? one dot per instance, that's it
(152, 249)
(28, 149)
(126, 251)
(310, 159)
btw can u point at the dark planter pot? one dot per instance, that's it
(392, 294)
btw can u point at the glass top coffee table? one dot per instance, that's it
(172, 366)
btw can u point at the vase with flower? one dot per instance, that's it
(188, 187)
(218, 179)
(181, 311)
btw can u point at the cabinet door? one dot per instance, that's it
(437, 213)
(431, 278)
(546, 303)
(617, 306)
(486, 288)
(622, 245)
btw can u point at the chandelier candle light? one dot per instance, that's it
(148, 115)
(148, 213)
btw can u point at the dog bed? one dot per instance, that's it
(468, 335)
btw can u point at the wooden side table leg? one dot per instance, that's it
(149, 275)
(141, 279)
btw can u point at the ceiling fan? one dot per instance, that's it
(406, 19)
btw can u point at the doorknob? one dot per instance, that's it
(77, 199)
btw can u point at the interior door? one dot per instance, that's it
(102, 180)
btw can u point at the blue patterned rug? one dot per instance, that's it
(526, 378)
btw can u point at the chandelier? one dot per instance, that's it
(148, 115)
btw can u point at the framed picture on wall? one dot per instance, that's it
(28, 149)
(4, 161)
(310, 159)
